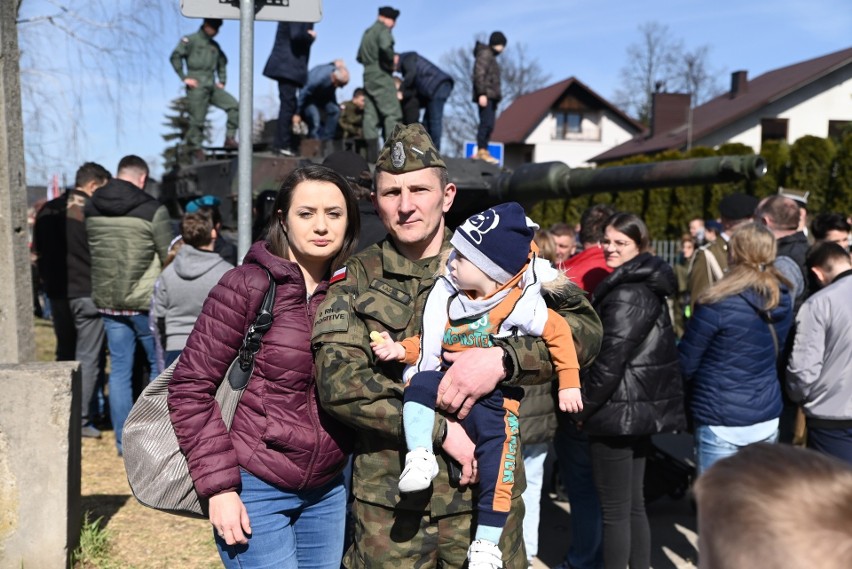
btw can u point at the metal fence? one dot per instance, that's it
(666, 250)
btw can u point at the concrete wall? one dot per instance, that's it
(16, 301)
(39, 464)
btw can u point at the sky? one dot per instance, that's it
(586, 40)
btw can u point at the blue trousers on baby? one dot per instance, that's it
(492, 425)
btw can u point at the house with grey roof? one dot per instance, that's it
(812, 97)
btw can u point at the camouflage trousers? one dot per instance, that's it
(385, 537)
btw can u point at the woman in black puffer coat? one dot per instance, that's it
(634, 388)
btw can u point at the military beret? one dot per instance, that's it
(409, 148)
(737, 206)
(212, 22)
(389, 12)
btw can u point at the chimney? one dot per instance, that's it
(668, 112)
(739, 83)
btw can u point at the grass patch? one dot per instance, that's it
(94, 551)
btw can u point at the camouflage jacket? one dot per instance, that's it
(351, 121)
(384, 291)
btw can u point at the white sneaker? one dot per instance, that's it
(421, 468)
(483, 554)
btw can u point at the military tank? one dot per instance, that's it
(479, 184)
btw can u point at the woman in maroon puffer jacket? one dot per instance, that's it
(274, 482)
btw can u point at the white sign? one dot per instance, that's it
(268, 10)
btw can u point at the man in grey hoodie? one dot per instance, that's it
(184, 283)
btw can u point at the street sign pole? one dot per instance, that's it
(244, 158)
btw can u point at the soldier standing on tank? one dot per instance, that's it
(205, 61)
(384, 288)
(376, 55)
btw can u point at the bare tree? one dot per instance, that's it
(519, 73)
(660, 62)
(651, 66)
(71, 51)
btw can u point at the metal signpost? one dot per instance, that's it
(247, 12)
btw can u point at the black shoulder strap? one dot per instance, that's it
(240, 374)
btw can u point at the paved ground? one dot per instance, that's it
(674, 540)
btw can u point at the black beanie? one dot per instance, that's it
(497, 240)
(497, 38)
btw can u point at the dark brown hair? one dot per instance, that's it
(91, 172)
(277, 237)
(632, 226)
(196, 229)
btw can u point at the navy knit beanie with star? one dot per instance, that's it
(497, 240)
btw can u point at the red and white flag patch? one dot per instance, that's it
(339, 275)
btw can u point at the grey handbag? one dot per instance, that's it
(156, 468)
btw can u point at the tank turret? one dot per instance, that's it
(479, 184)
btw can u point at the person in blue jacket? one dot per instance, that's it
(317, 104)
(730, 349)
(428, 86)
(288, 65)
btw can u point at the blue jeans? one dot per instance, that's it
(324, 130)
(534, 456)
(433, 118)
(709, 448)
(122, 333)
(289, 529)
(575, 471)
(169, 357)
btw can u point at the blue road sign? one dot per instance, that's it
(494, 148)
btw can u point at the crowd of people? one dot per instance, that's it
(414, 376)
(397, 88)
(446, 363)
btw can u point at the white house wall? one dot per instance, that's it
(807, 111)
(576, 153)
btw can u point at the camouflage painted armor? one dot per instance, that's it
(384, 291)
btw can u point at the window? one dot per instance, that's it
(568, 123)
(837, 129)
(773, 129)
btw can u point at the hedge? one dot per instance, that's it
(821, 166)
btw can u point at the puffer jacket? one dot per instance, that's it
(129, 234)
(279, 433)
(486, 73)
(635, 386)
(729, 360)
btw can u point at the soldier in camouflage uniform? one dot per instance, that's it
(384, 289)
(376, 55)
(204, 61)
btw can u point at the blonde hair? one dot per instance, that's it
(775, 505)
(546, 245)
(751, 254)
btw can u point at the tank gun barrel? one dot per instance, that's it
(555, 180)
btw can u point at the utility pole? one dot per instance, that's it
(16, 300)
